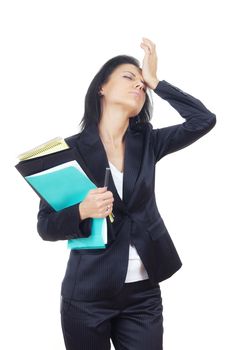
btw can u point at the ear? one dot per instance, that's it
(100, 92)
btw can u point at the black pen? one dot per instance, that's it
(106, 184)
(107, 176)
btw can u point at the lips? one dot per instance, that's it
(135, 93)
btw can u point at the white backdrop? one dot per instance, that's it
(50, 52)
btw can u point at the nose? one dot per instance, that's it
(141, 85)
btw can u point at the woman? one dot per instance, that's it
(114, 293)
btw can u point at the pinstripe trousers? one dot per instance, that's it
(132, 319)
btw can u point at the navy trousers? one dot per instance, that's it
(132, 319)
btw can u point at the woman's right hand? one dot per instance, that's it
(95, 204)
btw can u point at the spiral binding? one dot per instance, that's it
(51, 146)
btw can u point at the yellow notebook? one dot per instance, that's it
(55, 145)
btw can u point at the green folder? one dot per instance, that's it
(63, 186)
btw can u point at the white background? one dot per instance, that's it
(50, 52)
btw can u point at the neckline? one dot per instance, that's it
(115, 168)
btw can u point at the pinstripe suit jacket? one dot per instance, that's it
(100, 273)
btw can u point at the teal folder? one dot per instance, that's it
(63, 186)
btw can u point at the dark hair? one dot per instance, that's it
(92, 98)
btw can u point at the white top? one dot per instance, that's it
(136, 270)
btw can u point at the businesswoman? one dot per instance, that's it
(114, 293)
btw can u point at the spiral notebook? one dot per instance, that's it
(55, 145)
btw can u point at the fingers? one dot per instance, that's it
(108, 208)
(104, 209)
(148, 44)
(107, 201)
(102, 196)
(99, 202)
(102, 193)
(98, 190)
(146, 48)
(106, 204)
(107, 195)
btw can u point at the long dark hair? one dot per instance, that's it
(92, 98)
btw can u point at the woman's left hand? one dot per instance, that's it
(149, 66)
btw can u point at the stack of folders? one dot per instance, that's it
(57, 174)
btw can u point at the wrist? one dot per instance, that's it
(154, 83)
(82, 211)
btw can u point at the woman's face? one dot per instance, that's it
(125, 89)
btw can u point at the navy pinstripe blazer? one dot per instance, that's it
(100, 273)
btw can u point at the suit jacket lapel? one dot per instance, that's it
(94, 155)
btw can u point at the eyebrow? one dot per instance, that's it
(134, 75)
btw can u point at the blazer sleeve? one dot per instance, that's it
(62, 225)
(198, 121)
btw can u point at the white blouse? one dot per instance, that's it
(136, 270)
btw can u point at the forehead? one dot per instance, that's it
(131, 68)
